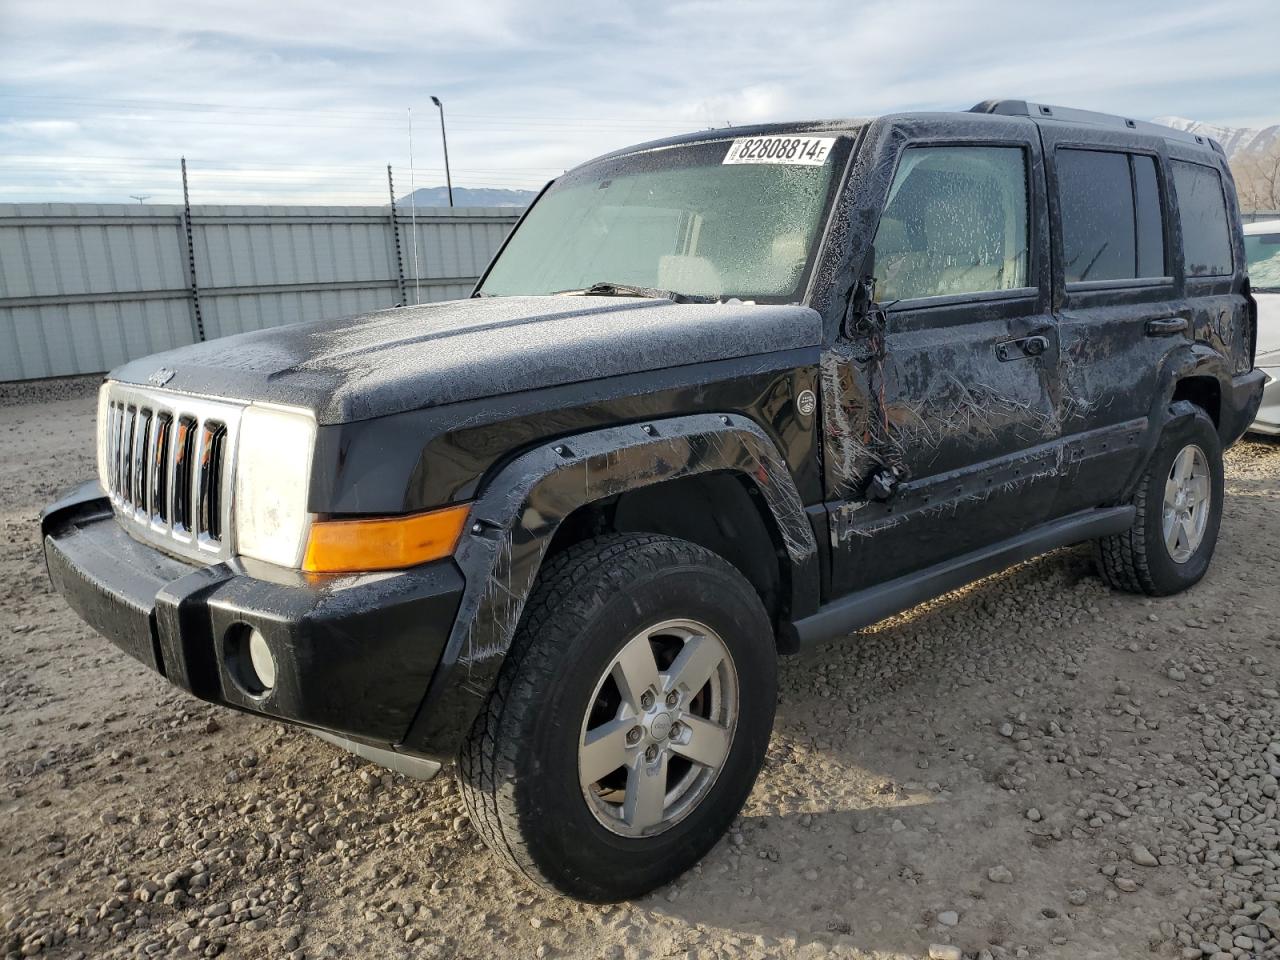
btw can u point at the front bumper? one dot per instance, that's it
(354, 655)
(1268, 419)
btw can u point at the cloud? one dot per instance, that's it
(309, 99)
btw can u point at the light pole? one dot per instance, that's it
(445, 142)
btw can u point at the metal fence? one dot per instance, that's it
(86, 287)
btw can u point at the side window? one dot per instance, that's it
(955, 222)
(1202, 210)
(1150, 216)
(1112, 221)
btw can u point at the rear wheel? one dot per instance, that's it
(1179, 510)
(629, 721)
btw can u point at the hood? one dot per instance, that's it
(407, 358)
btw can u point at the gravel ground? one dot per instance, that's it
(1033, 766)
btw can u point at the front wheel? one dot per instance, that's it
(1179, 510)
(629, 721)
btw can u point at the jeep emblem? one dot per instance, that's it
(160, 377)
(806, 403)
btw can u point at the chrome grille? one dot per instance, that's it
(167, 463)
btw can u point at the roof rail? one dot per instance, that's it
(1043, 111)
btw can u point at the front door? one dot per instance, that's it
(941, 434)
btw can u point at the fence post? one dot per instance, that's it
(395, 232)
(196, 318)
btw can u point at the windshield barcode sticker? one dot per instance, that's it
(806, 151)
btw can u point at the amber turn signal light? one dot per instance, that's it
(390, 543)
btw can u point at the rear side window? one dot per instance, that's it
(1112, 220)
(1202, 210)
(1150, 217)
(955, 223)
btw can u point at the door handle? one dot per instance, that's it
(1021, 348)
(1166, 327)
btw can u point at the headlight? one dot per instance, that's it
(273, 468)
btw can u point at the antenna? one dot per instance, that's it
(140, 197)
(413, 211)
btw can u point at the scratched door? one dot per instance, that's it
(942, 434)
(1122, 302)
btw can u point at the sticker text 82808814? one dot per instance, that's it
(805, 151)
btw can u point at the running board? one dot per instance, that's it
(865, 607)
(419, 768)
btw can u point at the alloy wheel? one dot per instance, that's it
(658, 728)
(1188, 497)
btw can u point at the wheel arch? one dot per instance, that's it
(723, 511)
(1195, 373)
(523, 506)
(1191, 376)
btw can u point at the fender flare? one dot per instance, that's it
(1186, 360)
(523, 504)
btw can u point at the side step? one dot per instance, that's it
(419, 768)
(865, 607)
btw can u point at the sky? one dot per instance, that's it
(282, 101)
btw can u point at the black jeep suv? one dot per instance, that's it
(717, 397)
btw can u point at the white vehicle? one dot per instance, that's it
(1262, 250)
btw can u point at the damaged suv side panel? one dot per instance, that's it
(1050, 390)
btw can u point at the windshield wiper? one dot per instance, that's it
(608, 289)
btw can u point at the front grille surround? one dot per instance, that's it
(168, 465)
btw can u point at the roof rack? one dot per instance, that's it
(1043, 111)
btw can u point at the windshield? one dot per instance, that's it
(729, 218)
(1262, 250)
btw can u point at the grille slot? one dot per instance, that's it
(141, 464)
(213, 440)
(184, 471)
(169, 461)
(160, 468)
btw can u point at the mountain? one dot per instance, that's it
(467, 197)
(1235, 140)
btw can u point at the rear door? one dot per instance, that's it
(940, 431)
(1118, 299)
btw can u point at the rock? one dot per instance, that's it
(1142, 856)
(1125, 884)
(1000, 874)
(945, 951)
(948, 918)
(1034, 815)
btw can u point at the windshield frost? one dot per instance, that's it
(677, 219)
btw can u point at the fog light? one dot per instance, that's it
(262, 663)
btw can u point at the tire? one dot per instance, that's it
(1140, 560)
(593, 607)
